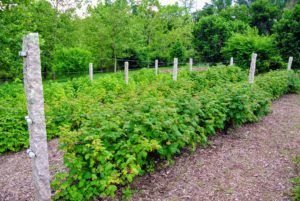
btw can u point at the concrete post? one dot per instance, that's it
(156, 67)
(126, 71)
(191, 64)
(115, 66)
(252, 68)
(175, 69)
(231, 61)
(290, 63)
(91, 71)
(38, 151)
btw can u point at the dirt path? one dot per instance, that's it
(252, 163)
(15, 173)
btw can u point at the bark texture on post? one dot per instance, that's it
(191, 64)
(156, 67)
(290, 63)
(252, 68)
(36, 117)
(175, 69)
(91, 72)
(231, 61)
(126, 71)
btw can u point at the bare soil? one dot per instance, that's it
(253, 162)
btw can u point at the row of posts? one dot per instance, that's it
(38, 151)
(175, 68)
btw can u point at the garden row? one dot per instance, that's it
(117, 132)
(69, 103)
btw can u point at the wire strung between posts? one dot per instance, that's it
(135, 66)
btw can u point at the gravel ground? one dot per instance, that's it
(253, 162)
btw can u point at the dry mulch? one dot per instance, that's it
(253, 162)
(15, 173)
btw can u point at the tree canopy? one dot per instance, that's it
(116, 30)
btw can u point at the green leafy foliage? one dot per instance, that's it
(211, 33)
(240, 46)
(110, 132)
(287, 33)
(264, 15)
(154, 120)
(237, 12)
(13, 128)
(71, 60)
(142, 31)
(178, 51)
(296, 180)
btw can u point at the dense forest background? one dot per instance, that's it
(141, 31)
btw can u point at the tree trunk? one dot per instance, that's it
(115, 68)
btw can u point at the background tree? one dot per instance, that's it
(207, 10)
(222, 4)
(245, 2)
(210, 34)
(13, 22)
(71, 60)
(178, 51)
(263, 15)
(237, 12)
(287, 33)
(139, 30)
(240, 46)
(107, 32)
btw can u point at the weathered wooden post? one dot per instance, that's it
(290, 63)
(126, 71)
(231, 61)
(38, 151)
(252, 68)
(91, 71)
(156, 67)
(175, 69)
(191, 64)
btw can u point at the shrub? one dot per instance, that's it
(124, 138)
(296, 181)
(263, 15)
(241, 46)
(71, 60)
(13, 127)
(237, 12)
(287, 33)
(111, 132)
(178, 51)
(210, 34)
